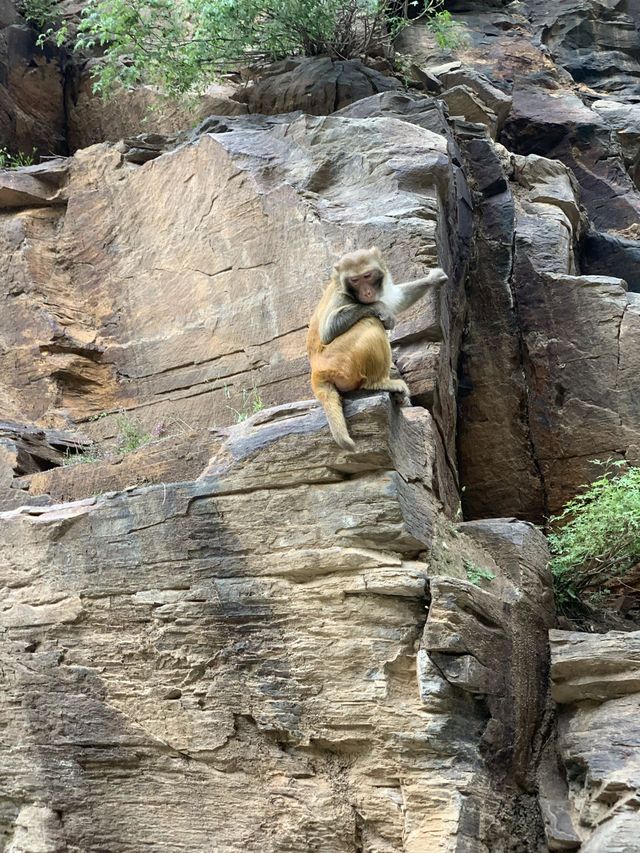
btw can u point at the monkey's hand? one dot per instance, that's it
(385, 316)
(437, 277)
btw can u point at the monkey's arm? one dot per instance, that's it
(347, 314)
(411, 291)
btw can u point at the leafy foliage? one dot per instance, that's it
(599, 541)
(45, 15)
(475, 573)
(180, 44)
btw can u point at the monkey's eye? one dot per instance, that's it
(367, 275)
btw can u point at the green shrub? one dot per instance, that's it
(46, 16)
(179, 45)
(448, 33)
(599, 540)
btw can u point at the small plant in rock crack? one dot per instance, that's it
(86, 455)
(596, 540)
(250, 403)
(475, 573)
(131, 434)
(15, 161)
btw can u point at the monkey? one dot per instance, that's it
(347, 342)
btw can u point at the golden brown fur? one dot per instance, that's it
(358, 358)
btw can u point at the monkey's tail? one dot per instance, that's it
(328, 395)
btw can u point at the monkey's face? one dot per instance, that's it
(361, 275)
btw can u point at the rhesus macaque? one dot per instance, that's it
(347, 344)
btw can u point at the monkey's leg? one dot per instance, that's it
(331, 401)
(394, 386)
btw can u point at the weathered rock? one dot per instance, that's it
(504, 477)
(42, 184)
(462, 101)
(579, 408)
(494, 99)
(624, 119)
(317, 86)
(596, 680)
(559, 125)
(24, 451)
(543, 390)
(239, 662)
(596, 41)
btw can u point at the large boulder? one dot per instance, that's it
(317, 86)
(92, 119)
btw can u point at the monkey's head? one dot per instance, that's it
(362, 274)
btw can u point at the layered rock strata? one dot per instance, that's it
(285, 653)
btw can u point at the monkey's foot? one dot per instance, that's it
(402, 397)
(397, 387)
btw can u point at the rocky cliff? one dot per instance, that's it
(218, 630)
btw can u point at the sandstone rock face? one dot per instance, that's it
(282, 654)
(546, 387)
(544, 382)
(596, 681)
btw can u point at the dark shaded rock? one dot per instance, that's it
(503, 477)
(427, 80)
(597, 42)
(26, 450)
(558, 125)
(32, 111)
(318, 86)
(486, 169)
(604, 254)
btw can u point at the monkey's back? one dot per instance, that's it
(361, 353)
